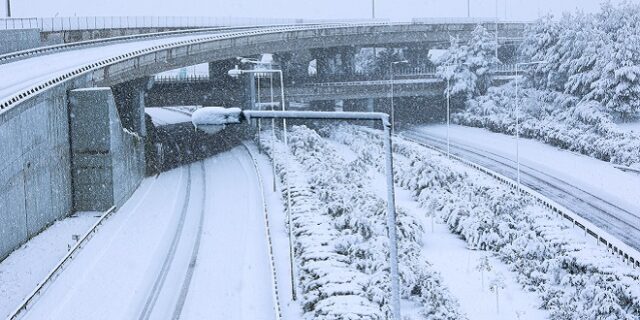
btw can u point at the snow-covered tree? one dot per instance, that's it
(467, 67)
(483, 266)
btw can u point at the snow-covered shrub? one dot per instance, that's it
(555, 118)
(355, 240)
(332, 288)
(573, 280)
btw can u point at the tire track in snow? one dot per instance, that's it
(196, 248)
(152, 298)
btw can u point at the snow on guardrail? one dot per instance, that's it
(58, 268)
(54, 24)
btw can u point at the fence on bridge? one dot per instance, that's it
(53, 24)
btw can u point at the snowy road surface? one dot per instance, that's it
(592, 188)
(189, 244)
(22, 74)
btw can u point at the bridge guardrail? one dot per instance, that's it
(54, 24)
(27, 93)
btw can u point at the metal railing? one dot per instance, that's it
(181, 79)
(54, 24)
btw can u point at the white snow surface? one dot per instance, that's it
(22, 74)
(214, 119)
(592, 175)
(113, 275)
(23, 269)
(167, 115)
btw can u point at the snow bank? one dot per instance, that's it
(214, 119)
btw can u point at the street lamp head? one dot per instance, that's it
(235, 73)
(401, 61)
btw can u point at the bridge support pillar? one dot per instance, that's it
(107, 162)
(129, 98)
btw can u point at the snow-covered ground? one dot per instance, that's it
(630, 127)
(595, 176)
(190, 243)
(21, 271)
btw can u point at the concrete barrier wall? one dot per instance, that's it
(107, 160)
(36, 181)
(35, 177)
(16, 40)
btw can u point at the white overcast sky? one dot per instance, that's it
(398, 10)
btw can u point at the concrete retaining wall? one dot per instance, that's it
(35, 162)
(107, 160)
(20, 39)
(36, 184)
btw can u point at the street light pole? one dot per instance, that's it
(393, 111)
(518, 120)
(496, 29)
(448, 116)
(373, 9)
(235, 73)
(468, 8)
(8, 8)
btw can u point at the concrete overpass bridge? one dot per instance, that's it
(72, 117)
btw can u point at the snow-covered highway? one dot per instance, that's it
(189, 244)
(614, 213)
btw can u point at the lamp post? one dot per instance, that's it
(8, 8)
(373, 9)
(468, 8)
(393, 111)
(518, 120)
(496, 29)
(449, 74)
(236, 73)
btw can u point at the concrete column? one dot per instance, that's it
(348, 56)
(370, 105)
(107, 162)
(129, 97)
(339, 105)
(322, 63)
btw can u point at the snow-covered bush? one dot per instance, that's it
(555, 118)
(573, 280)
(591, 56)
(342, 251)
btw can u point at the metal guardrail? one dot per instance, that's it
(272, 259)
(58, 268)
(616, 247)
(28, 53)
(181, 79)
(55, 24)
